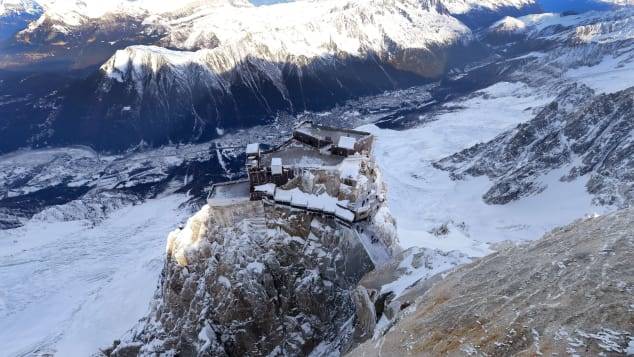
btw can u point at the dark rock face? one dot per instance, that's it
(191, 104)
(591, 134)
(184, 105)
(27, 101)
(279, 285)
(13, 22)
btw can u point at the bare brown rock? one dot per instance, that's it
(570, 293)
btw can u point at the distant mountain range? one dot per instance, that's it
(122, 73)
(113, 75)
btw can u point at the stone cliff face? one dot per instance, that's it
(569, 293)
(255, 278)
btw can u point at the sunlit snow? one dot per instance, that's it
(423, 198)
(72, 288)
(609, 76)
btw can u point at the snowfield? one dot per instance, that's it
(424, 199)
(611, 75)
(69, 287)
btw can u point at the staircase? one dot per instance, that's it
(256, 224)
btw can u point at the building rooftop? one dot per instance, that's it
(253, 149)
(347, 142)
(298, 154)
(334, 134)
(230, 192)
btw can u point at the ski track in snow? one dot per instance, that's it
(69, 288)
(423, 198)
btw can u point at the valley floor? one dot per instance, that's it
(70, 288)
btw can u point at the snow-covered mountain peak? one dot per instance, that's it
(464, 6)
(508, 25)
(73, 13)
(19, 6)
(590, 27)
(315, 30)
(309, 27)
(96, 8)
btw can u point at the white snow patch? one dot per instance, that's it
(609, 76)
(435, 263)
(346, 142)
(630, 347)
(459, 7)
(68, 288)
(268, 188)
(509, 25)
(255, 267)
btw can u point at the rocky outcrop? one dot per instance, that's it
(569, 293)
(256, 278)
(585, 134)
(365, 314)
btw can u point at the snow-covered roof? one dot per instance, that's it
(346, 142)
(229, 192)
(253, 149)
(350, 168)
(268, 188)
(283, 196)
(323, 202)
(344, 214)
(276, 166)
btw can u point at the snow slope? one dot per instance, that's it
(611, 75)
(592, 50)
(406, 159)
(64, 281)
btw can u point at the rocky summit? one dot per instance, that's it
(251, 273)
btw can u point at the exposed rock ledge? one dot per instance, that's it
(570, 293)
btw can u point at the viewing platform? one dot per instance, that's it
(336, 156)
